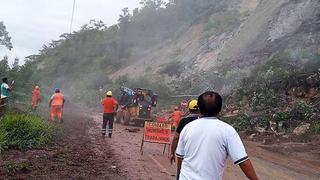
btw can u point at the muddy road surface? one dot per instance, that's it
(269, 161)
(81, 153)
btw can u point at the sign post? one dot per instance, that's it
(155, 132)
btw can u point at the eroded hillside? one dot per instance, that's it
(183, 47)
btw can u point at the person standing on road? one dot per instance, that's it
(205, 144)
(194, 114)
(110, 107)
(35, 98)
(5, 90)
(56, 104)
(176, 117)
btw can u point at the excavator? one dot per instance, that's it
(136, 106)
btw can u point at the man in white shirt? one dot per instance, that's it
(205, 144)
(5, 91)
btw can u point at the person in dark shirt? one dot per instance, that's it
(194, 114)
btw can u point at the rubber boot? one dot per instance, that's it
(110, 135)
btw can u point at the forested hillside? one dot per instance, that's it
(183, 47)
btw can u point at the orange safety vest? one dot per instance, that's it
(176, 116)
(57, 99)
(35, 96)
(108, 104)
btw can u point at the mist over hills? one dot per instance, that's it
(183, 47)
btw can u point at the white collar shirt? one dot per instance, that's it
(205, 145)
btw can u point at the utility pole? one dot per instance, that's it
(72, 16)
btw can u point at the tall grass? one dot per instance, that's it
(22, 132)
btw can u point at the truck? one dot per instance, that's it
(136, 106)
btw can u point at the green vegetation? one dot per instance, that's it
(302, 110)
(5, 39)
(22, 131)
(315, 129)
(283, 116)
(246, 123)
(17, 167)
(279, 90)
(222, 22)
(268, 84)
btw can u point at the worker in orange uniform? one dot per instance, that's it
(110, 107)
(56, 104)
(36, 98)
(176, 116)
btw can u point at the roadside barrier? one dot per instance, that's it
(155, 132)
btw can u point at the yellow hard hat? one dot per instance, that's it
(109, 93)
(37, 87)
(193, 104)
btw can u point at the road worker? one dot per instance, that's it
(193, 115)
(110, 107)
(56, 104)
(36, 98)
(176, 116)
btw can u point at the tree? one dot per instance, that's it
(124, 18)
(5, 39)
(4, 66)
(15, 63)
(154, 4)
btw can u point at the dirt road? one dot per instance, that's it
(154, 165)
(83, 154)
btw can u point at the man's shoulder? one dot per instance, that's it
(186, 120)
(189, 123)
(5, 85)
(189, 118)
(215, 121)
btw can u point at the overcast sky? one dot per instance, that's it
(32, 23)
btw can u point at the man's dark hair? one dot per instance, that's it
(210, 103)
(4, 79)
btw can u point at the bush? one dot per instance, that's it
(17, 167)
(302, 110)
(283, 116)
(242, 123)
(173, 68)
(222, 22)
(315, 129)
(264, 99)
(22, 131)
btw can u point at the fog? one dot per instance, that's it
(33, 23)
